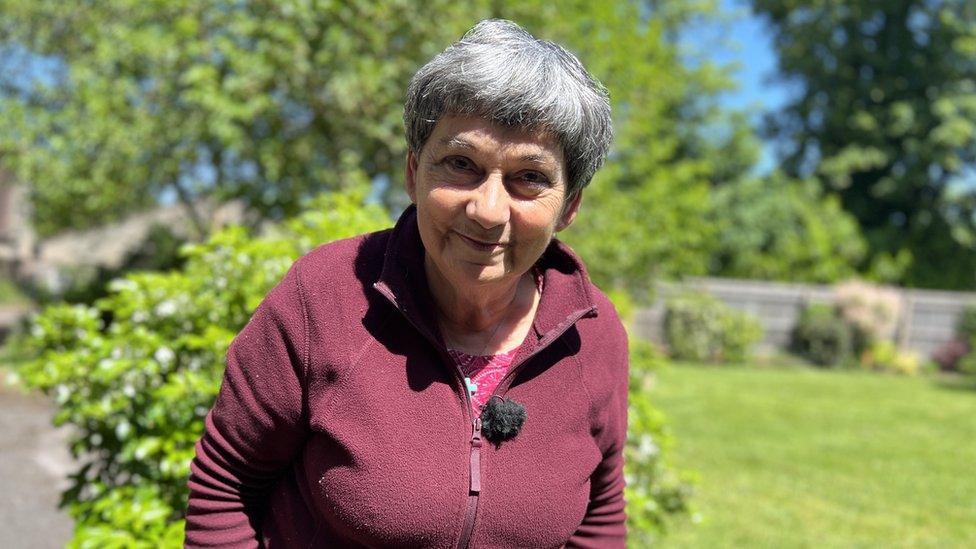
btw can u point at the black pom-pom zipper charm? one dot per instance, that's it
(501, 419)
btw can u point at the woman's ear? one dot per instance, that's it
(411, 176)
(569, 211)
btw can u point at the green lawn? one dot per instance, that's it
(808, 458)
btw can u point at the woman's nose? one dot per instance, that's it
(489, 204)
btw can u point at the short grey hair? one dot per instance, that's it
(500, 72)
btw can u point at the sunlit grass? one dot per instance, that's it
(802, 457)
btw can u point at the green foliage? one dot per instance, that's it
(700, 328)
(645, 215)
(967, 364)
(269, 101)
(776, 228)
(274, 101)
(858, 329)
(136, 372)
(654, 491)
(959, 354)
(885, 356)
(888, 121)
(966, 325)
(822, 337)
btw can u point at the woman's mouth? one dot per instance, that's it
(480, 245)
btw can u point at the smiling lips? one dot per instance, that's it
(480, 245)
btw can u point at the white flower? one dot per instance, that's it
(647, 447)
(166, 308)
(120, 284)
(164, 355)
(123, 429)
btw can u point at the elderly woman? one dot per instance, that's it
(455, 381)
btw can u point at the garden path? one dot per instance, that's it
(34, 464)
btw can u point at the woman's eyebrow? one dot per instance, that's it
(456, 142)
(539, 159)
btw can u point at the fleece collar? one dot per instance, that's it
(566, 295)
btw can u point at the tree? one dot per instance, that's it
(887, 119)
(645, 216)
(265, 100)
(273, 101)
(774, 228)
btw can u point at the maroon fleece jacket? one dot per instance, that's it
(342, 422)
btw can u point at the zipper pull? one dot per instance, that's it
(476, 456)
(476, 433)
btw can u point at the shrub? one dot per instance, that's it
(967, 364)
(701, 328)
(948, 355)
(957, 355)
(872, 311)
(821, 337)
(966, 325)
(654, 489)
(885, 356)
(136, 372)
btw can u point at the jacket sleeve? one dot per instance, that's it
(256, 426)
(605, 522)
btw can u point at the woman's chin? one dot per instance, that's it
(478, 274)
(485, 274)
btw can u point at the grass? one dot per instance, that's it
(809, 458)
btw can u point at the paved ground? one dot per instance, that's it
(34, 463)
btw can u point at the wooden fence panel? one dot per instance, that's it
(928, 319)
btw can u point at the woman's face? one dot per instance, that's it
(489, 199)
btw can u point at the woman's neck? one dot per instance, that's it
(484, 317)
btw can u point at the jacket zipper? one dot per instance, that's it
(474, 488)
(474, 459)
(474, 456)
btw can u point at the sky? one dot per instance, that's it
(743, 41)
(751, 49)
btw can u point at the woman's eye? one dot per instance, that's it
(459, 163)
(534, 179)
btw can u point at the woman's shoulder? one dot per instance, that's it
(564, 259)
(368, 247)
(349, 259)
